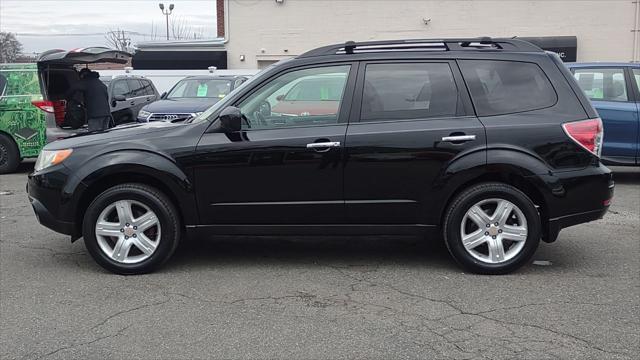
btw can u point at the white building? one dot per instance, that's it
(259, 32)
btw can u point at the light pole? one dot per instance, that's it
(166, 14)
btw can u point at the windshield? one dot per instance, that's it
(200, 88)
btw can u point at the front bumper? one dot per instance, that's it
(53, 197)
(47, 219)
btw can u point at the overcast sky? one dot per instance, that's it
(67, 24)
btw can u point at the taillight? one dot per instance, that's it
(44, 105)
(57, 108)
(586, 133)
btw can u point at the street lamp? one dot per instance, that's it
(166, 14)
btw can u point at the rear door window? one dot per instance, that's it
(602, 84)
(135, 87)
(504, 87)
(120, 87)
(408, 91)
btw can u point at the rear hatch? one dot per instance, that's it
(57, 71)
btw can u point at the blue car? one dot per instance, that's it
(613, 89)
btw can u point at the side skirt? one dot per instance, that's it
(339, 229)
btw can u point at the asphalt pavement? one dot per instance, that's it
(322, 298)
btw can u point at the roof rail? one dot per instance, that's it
(481, 43)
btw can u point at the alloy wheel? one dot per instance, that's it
(128, 231)
(494, 230)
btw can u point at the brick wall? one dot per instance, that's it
(220, 17)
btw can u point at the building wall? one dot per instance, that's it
(265, 30)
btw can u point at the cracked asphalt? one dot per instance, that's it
(340, 297)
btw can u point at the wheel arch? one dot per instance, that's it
(518, 169)
(131, 167)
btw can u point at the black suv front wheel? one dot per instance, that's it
(492, 228)
(131, 229)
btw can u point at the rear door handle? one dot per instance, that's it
(459, 138)
(321, 145)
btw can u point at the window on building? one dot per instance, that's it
(503, 87)
(602, 84)
(408, 91)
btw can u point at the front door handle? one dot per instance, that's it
(458, 138)
(329, 144)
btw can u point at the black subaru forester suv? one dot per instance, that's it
(487, 142)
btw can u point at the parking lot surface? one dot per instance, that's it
(339, 297)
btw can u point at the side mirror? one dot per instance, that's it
(230, 119)
(164, 95)
(119, 98)
(280, 97)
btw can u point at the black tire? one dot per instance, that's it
(9, 155)
(471, 196)
(158, 202)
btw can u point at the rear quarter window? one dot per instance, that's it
(504, 87)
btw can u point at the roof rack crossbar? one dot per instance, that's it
(457, 44)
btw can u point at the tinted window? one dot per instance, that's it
(298, 98)
(502, 87)
(136, 87)
(147, 87)
(636, 76)
(3, 84)
(408, 91)
(602, 84)
(120, 87)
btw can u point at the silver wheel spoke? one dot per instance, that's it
(472, 240)
(108, 229)
(503, 242)
(143, 243)
(125, 215)
(514, 233)
(146, 221)
(479, 216)
(496, 250)
(503, 210)
(127, 232)
(121, 249)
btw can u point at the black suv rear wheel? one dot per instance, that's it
(131, 229)
(492, 228)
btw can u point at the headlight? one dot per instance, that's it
(144, 114)
(51, 157)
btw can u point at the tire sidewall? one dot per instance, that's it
(169, 234)
(453, 238)
(9, 149)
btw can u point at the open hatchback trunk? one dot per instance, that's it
(58, 69)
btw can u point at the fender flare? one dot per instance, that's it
(133, 163)
(502, 163)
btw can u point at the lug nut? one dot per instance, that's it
(488, 225)
(135, 228)
(497, 224)
(493, 237)
(126, 237)
(486, 233)
(500, 231)
(121, 230)
(134, 235)
(127, 224)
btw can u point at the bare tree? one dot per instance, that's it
(181, 30)
(10, 47)
(118, 39)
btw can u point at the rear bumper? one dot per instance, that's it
(577, 197)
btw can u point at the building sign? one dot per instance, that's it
(565, 46)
